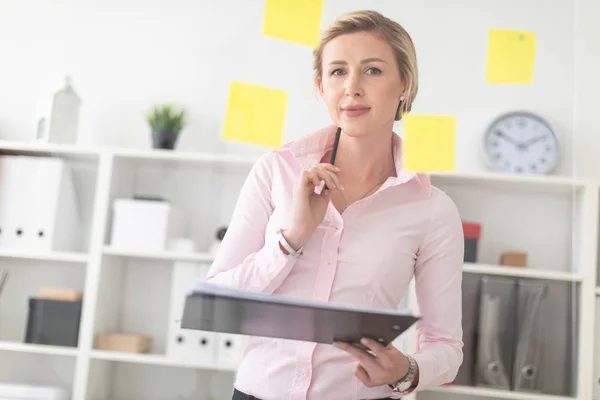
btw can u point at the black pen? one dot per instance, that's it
(335, 145)
(334, 151)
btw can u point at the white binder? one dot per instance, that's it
(184, 344)
(38, 206)
(229, 348)
(10, 196)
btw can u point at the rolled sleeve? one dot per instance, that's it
(249, 257)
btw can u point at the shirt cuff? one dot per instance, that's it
(426, 364)
(277, 265)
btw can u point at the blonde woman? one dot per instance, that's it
(360, 240)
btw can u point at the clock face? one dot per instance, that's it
(521, 143)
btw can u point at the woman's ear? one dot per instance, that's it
(320, 86)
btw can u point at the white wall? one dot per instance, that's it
(127, 54)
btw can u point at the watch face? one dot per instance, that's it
(403, 386)
(521, 143)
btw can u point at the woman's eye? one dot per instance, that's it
(338, 71)
(373, 71)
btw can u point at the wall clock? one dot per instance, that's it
(521, 142)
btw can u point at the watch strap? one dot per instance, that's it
(405, 383)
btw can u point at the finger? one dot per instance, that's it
(324, 173)
(363, 376)
(381, 352)
(310, 180)
(329, 167)
(374, 346)
(315, 181)
(364, 358)
(334, 176)
(317, 175)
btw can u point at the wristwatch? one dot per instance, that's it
(405, 383)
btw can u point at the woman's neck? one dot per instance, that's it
(366, 159)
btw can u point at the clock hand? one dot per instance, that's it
(532, 141)
(507, 138)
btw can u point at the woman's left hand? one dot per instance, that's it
(381, 365)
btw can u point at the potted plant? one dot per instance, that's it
(166, 124)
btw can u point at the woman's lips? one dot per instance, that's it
(355, 111)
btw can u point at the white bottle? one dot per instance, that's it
(64, 117)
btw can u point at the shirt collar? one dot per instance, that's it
(309, 150)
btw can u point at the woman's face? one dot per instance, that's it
(361, 83)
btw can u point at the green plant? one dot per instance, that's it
(165, 119)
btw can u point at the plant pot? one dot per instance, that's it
(164, 140)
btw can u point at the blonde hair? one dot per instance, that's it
(390, 31)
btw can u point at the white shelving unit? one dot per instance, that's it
(553, 219)
(596, 353)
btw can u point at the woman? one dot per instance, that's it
(359, 240)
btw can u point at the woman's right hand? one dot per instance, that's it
(308, 207)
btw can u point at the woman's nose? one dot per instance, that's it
(353, 86)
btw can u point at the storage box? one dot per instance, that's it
(472, 233)
(514, 259)
(57, 293)
(144, 224)
(126, 342)
(53, 322)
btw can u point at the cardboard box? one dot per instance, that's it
(126, 342)
(514, 259)
(57, 293)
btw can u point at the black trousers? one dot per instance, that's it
(237, 395)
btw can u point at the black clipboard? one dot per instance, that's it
(213, 308)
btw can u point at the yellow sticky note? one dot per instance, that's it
(429, 143)
(510, 56)
(255, 114)
(293, 20)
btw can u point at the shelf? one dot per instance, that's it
(179, 157)
(45, 256)
(522, 272)
(497, 393)
(155, 359)
(38, 348)
(47, 149)
(161, 255)
(535, 183)
(161, 155)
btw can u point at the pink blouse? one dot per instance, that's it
(366, 256)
